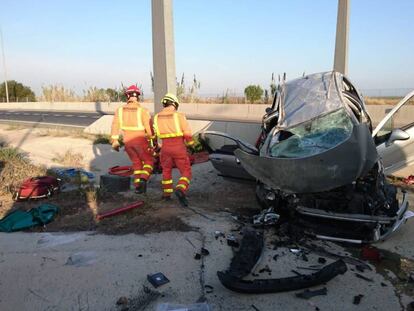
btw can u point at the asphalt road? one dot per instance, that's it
(73, 119)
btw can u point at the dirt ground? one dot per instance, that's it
(79, 207)
(78, 213)
(159, 228)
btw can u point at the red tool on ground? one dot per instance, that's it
(121, 171)
(119, 210)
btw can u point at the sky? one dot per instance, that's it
(227, 44)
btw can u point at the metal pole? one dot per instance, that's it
(163, 50)
(4, 66)
(341, 42)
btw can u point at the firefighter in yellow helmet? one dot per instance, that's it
(133, 121)
(174, 131)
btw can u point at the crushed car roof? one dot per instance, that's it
(308, 97)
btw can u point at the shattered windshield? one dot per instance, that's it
(312, 137)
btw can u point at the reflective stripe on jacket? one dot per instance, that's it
(169, 124)
(138, 126)
(133, 120)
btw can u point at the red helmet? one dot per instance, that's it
(133, 90)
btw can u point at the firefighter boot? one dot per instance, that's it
(181, 197)
(142, 187)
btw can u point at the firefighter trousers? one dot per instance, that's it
(174, 153)
(141, 158)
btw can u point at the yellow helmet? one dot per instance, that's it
(170, 99)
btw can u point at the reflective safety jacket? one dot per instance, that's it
(132, 121)
(171, 124)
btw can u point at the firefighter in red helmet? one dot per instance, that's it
(133, 122)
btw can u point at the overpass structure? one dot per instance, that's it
(164, 50)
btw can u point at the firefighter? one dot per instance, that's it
(174, 131)
(133, 121)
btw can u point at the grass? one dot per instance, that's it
(59, 132)
(385, 101)
(14, 127)
(14, 168)
(69, 158)
(102, 139)
(381, 100)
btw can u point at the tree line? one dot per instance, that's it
(19, 92)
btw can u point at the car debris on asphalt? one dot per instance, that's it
(251, 248)
(308, 294)
(357, 299)
(363, 277)
(182, 307)
(209, 289)
(218, 234)
(266, 218)
(157, 279)
(203, 252)
(232, 241)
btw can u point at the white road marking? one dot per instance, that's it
(69, 115)
(36, 114)
(82, 116)
(57, 115)
(46, 123)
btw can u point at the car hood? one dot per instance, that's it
(325, 171)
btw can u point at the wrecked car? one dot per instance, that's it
(319, 163)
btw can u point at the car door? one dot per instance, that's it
(394, 136)
(222, 154)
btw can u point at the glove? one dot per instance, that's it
(191, 146)
(191, 149)
(154, 151)
(116, 145)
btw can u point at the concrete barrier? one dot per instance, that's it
(221, 112)
(244, 130)
(69, 106)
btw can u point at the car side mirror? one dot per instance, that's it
(397, 134)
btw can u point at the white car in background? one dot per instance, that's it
(395, 139)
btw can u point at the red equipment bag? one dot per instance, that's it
(121, 171)
(409, 180)
(37, 188)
